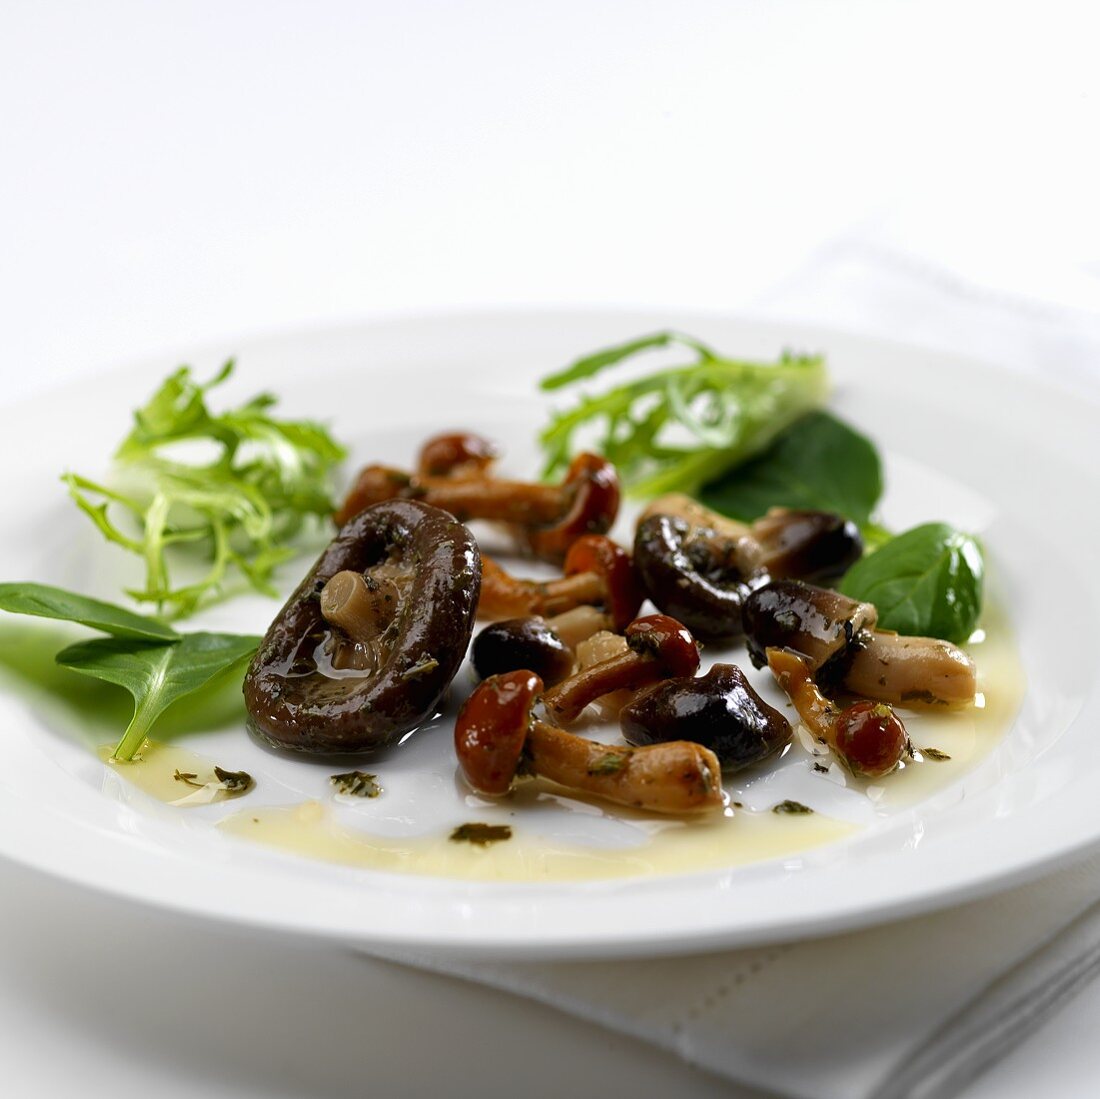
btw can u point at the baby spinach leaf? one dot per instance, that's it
(819, 463)
(155, 674)
(43, 601)
(925, 582)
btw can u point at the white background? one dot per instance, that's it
(184, 173)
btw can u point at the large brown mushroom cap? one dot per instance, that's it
(313, 688)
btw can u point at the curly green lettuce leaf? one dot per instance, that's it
(235, 490)
(680, 427)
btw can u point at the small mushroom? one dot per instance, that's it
(719, 710)
(837, 637)
(659, 647)
(365, 647)
(597, 573)
(459, 455)
(497, 737)
(868, 737)
(696, 574)
(550, 517)
(546, 646)
(806, 545)
(816, 622)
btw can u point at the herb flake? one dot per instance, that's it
(481, 834)
(611, 763)
(791, 808)
(356, 784)
(934, 754)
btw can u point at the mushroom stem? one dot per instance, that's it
(891, 668)
(677, 777)
(579, 624)
(504, 595)
(796, 679)
(597, 571)
(659, 647)
(359, 606)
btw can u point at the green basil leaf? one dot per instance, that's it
(156, 674)
(43, 601)
(819, 463)
(926, 582)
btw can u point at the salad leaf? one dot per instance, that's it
(152, 661)
(239, 486)
(925, 582)
(678, 428)
(155, 674)
(819, 463)
(43, 601)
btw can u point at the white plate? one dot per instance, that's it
(1004, 456)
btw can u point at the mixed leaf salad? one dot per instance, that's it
(237, 489)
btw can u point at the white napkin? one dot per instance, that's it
(909, 1009)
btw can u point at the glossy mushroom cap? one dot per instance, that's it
(596, 553)
(457, 454)
(817, 623)
(303, 695)
(719, 710)
(592, 495)
(491, 730)
(694, 573)
(516, 643)
(807, 545)
(667, 641)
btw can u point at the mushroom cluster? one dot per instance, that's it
(366, 647)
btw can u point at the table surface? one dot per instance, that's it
(195, 172)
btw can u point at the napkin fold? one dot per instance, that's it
(912, 1009)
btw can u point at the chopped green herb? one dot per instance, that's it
(934, 754)
(233, 783)
(610, 763)
(356, 784)
(481, 834)
(794, 808)
(422, 667)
